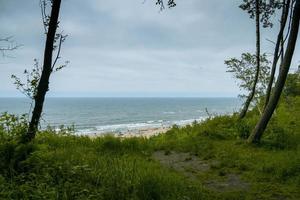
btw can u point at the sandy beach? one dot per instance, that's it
(145, 132)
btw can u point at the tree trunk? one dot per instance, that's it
(251, 95)
(284, 16)
(284, 69)
(282, 48)
(43, 85)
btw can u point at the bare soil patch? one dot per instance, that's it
(191, 166)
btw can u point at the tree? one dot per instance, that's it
(253, 12)
(261, 10)
(267, 8)
(283, 72)
(50, 24)
(244, 70)
(279, 42)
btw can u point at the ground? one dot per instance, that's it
(193, 167)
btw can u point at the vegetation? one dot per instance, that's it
(258, 5)
(244, 71)
(50, 24)
(208, 160)
(270, 107)
(260, 10)
(279, 44)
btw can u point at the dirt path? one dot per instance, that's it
(192, 166)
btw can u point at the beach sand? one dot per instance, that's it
(145, 132)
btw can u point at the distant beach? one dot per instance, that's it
(147, 133)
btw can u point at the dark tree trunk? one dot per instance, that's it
(284, 69)
(285, 12)
(43, 85)
(252, 93)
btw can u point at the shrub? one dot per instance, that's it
(12, 126)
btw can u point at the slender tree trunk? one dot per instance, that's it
(282, 48)
(43, 85)
(284, 69)
(284, 16)
(251, 96)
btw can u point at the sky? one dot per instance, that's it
(130, 48)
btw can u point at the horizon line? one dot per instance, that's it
(125, 97)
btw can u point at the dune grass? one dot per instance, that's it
(64, 166)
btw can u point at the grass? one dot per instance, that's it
(63, 166)
(69, 167)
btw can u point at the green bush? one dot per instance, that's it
(12, 127)
(219, 127)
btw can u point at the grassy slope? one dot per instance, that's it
(70, 167)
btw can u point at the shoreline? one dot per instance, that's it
(144, 132)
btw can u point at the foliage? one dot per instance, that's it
(266, 8)
(243, 70)
(292, 85)
(12, 126)
(29, 88)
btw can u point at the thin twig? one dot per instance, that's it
(58, 51)
(270, 41)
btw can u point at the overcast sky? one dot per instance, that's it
(129, 48)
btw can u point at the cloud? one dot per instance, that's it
(130, 48)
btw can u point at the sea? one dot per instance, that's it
(118, 115)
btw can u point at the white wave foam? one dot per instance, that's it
(134, 127)
(169, 112)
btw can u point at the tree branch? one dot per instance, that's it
(58, 51)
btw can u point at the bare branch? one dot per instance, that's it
(271, 41)
(58, 51)
(45, 16)
(8, 45)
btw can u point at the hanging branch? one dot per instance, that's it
(58, 52)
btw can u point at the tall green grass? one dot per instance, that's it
(64, 166)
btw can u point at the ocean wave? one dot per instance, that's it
(169, 112)
(134, 127)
